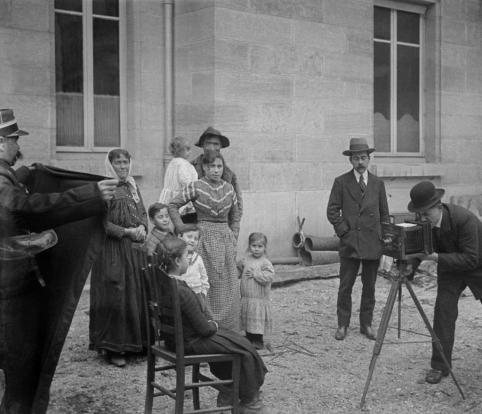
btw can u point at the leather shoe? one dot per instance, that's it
(340, 333)
(434, 376)
(118, 361)
(368, 332)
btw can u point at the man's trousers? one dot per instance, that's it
(348, 272)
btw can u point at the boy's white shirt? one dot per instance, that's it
(196, 276)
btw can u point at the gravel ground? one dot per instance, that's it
(309, 372)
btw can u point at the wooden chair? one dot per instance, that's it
(164, 317)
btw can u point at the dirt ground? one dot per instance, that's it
(309, 372)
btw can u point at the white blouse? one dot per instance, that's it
(179, 172)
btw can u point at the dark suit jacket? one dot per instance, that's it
(460, 247)
(356, 218)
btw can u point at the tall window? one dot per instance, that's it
(397, 80)
(88, 73)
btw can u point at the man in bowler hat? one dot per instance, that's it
(356, 208)
(457, 239)
(212, 139)
(22, 316)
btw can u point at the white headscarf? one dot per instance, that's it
(110, 172)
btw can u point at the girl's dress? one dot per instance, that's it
(200, 337)
(218, 221)
(255, 294)
(116, 310)
(179, 172)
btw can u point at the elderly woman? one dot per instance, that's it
(218, 220)
(116, 309)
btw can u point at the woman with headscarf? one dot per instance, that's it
(116, 308)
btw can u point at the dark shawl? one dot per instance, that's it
(64, 268)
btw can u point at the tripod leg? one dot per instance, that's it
(435, 339)
(399, 309)
(382, 330)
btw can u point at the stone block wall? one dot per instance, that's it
(287, 82)
(461, 95)
(290, 81)
(27, 76)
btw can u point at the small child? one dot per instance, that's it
(162, 227)
(196, 276)
(179, 173)
(256, 273)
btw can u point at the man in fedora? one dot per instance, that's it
(212, 139)
(23, 317)
(457, 239)
(356, 208)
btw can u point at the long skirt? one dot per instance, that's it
(217, 247)
(117, 321)
(225, 341)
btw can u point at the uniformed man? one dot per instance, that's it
(21, 311)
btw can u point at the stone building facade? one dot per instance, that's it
(288, 81)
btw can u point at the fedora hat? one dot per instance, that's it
(211, 132)
(8, 124)
(358, 145)
(423, 196)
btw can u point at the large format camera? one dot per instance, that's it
(400, 240)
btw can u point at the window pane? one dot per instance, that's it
(381, 23)
(106, 83)
(106, 7)
(408, 96)
(70, 119)
(69, 79)
(68, 53)
(408, 27)
(381, 95)
(72, 5)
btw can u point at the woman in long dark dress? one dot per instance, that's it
(116, 309)
(202, 335)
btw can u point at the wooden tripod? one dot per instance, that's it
(396, 289)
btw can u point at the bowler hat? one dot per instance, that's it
(424, 195)
(211, 132)
(8, 124)
(358, 145)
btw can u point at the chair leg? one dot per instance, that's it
(235, 373)
(151, 360)
(180, 381)
(195, 390)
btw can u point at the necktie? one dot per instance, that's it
(363, 186)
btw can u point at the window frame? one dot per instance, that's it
(88, 77)
(412, 7)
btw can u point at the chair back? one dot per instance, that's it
(163, 307)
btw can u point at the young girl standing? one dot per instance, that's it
(256, 273)
(202, 335)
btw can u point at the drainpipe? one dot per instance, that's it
(168, 12)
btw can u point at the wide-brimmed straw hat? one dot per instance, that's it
(423, 196)
(358, 145)
(8, 124)
(211, 132)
